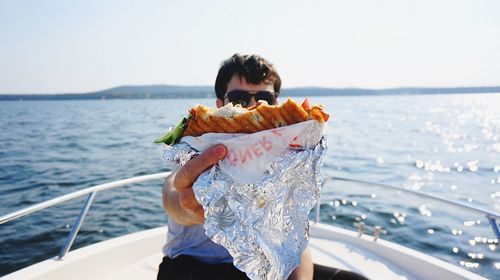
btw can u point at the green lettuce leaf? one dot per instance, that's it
(174, 135)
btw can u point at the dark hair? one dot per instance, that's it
(253, 68)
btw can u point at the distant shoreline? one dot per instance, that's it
(175, 92)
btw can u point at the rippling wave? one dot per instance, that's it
(446, 145)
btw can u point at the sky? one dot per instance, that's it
(81, 46)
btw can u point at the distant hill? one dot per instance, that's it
(315, 91)
(123, 92)
(172, 91)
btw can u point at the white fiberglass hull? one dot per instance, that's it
(137, 256)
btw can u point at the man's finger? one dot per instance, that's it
(187, 199)
(187, 174)
(189, 202)
(200, 215)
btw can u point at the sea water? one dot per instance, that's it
(445, 145)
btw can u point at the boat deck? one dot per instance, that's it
(137, 256)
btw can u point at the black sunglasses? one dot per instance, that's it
(243, 97)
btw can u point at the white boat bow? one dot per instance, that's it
(137, 255)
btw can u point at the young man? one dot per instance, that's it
(243, 79)
(189, 253)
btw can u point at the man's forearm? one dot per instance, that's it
(172, 205)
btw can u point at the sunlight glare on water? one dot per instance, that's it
(444, 145)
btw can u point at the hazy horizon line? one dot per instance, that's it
(284, 88)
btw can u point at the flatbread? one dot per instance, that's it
(261, 116)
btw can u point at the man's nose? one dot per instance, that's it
(252, 101)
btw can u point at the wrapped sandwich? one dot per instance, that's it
(236, 119)
(258, 198)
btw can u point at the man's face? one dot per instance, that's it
(239, 82)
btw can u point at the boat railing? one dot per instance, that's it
(90, 192)
(492, 216)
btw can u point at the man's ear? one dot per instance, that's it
(219, 103)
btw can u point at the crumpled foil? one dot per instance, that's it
(178, 155)
(265, 225)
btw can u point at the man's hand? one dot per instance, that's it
(178, 195)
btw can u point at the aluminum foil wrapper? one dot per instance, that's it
(178, 154)
(263, 225)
